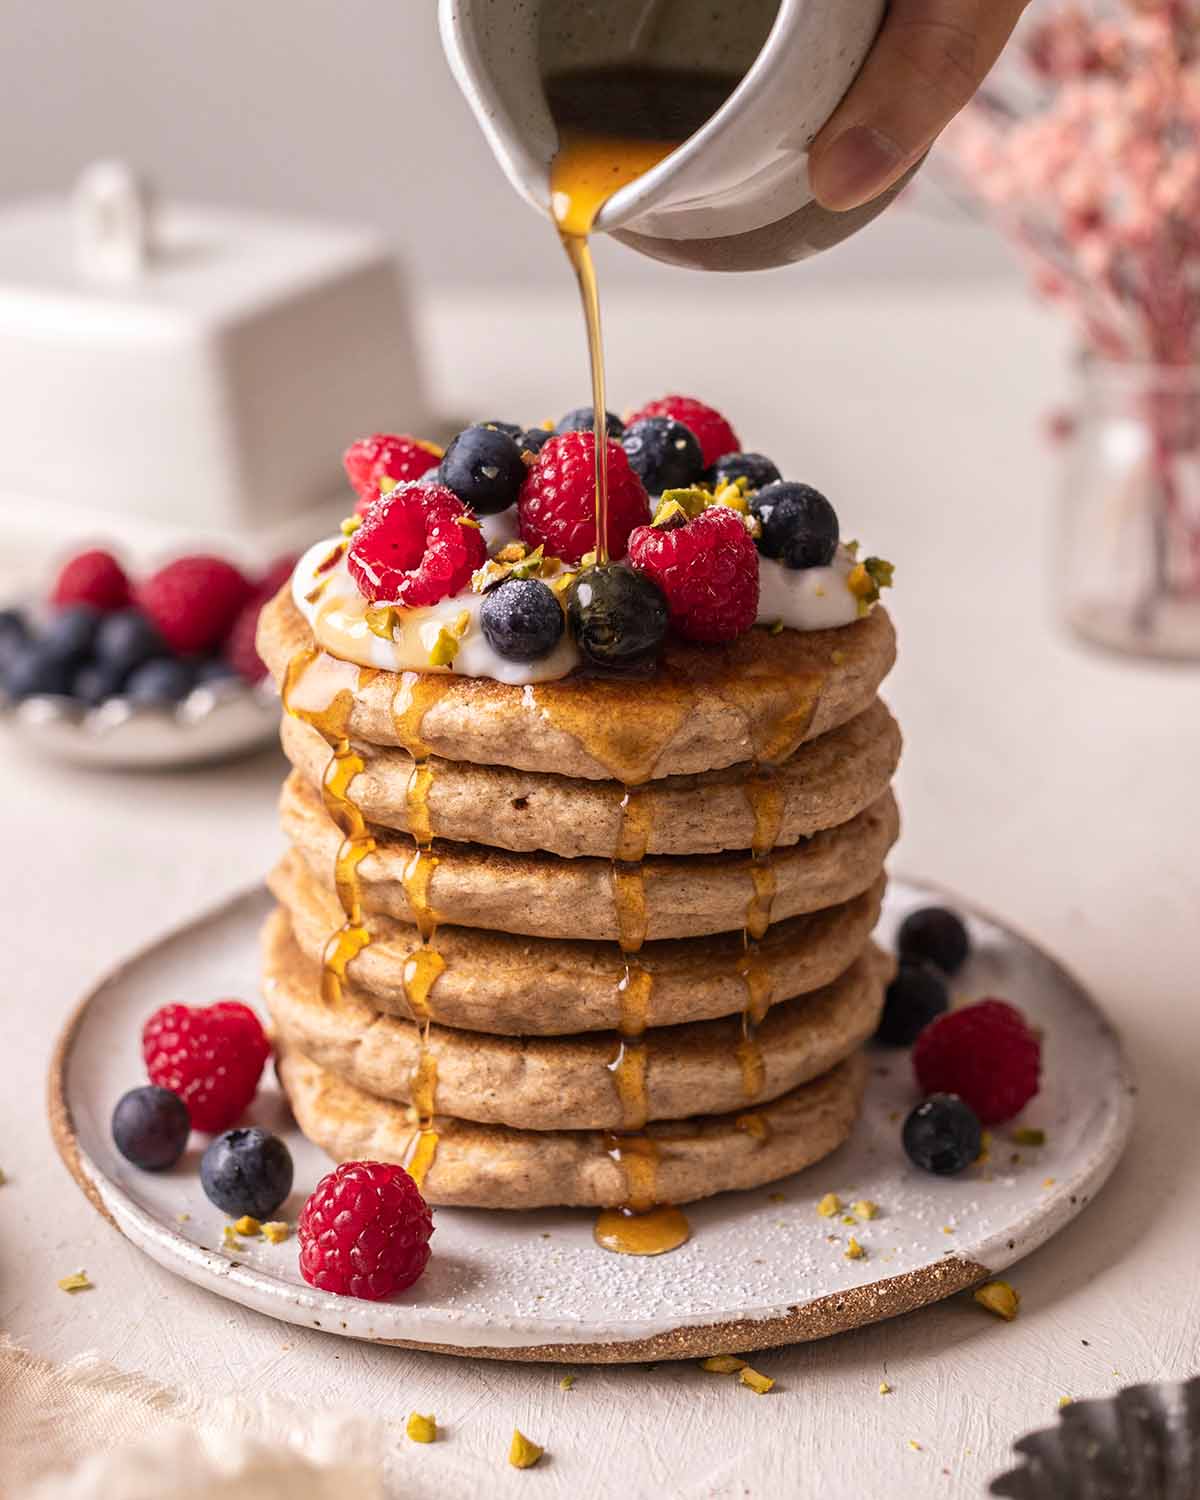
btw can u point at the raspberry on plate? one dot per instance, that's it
(557, 505)
(985, 1053)
(714, 434)
(212, 1056)
(193, 602)
(269, 582)
(365, 1231)
(241, 650)
(94, 578)
(707, 568)
(417, 545)
(386, 455)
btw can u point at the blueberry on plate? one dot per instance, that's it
(755, 467)
(915, 997)
(214, 669)
(14, 634)
(522, 619)
(583, 419)
(126, 639)
(33, 671)
(512, 429)
(534, 439)
(95, 683)
(943, 1135)
(246, 1171)
(160, 682)
(483, 467)
(799, 526)
(663, 453)
(937, 935)
(150, 1127)
(70, 632)
(618, 617)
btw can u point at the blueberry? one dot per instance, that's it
(943, 1135)
(126, 639)
(33, 672)
(70, 633)
(150, 1127)
(483, 467)
(583, 419)
(755, 467)
(618, 617)
(512, 429)
(663, 453)
(94, 683)
(246, 1171)
(522, 619)
(214, 669)
(915, 997)
(799, 526)
(937, 935)
(14, 634)
(160, 681)
(534, 439)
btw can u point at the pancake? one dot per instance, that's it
(544, 896)
(826, 782)
(570, 1082)
(493, 1166)
(523, 986)
(702, 708)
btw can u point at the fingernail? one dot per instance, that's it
(857, 166)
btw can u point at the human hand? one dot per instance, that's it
(928, 60)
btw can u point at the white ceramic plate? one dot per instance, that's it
(759, 1269)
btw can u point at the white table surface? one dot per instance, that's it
(1054, 787)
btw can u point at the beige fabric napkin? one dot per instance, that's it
(85, 1431)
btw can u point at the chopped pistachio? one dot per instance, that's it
(999, 1298)
(1027, 1135)
(691, 499)
(513, 552)
(276, 1231)
(229, 1239)
(866, 1209)
(759, 1384)
(523, 1454)
(76, 1282)
(247, 1225)
(382, 620)
(722, 1364)
(444, 649)
(884, 1388)
(849, 1219)
(851, 549)
(349, 525)
(467, 521)
(670, 514)
(1064, 1401)
(829, 1205)
(733, 493)
(854, 1251)
(776, 1197)
(421, 1429)
(387, 484)
(914, 1445)
(775, 627)
(566, 1382)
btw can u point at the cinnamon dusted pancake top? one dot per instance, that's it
(523, 986)
(703, 708)
(494, 1166)
(824, 783)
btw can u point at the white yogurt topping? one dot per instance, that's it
(802, 599)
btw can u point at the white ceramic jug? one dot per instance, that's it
(735, 195)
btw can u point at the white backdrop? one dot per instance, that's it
(342, 110)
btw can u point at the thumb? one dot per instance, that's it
(928, 60)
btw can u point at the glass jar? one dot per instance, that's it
(1128, 572)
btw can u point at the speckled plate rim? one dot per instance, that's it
(518, 1338)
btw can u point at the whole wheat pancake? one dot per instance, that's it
(704, 707)
(545, 896)
(569, 1082)
(523, 986)
(826, 782)
(493, 1166)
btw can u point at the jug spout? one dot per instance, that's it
(746, 84)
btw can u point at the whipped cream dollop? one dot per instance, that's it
(328, 598)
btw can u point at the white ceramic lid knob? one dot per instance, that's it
(113, 213)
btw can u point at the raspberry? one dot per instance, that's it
(365, 1231)
(713, 432)
(557, 505)
(708, 569)
(386, 455)
(268, 584)
(415, 546)
(194, 601)
(211, 1056)
(94, 578)
(985, 1053)
(240, 650)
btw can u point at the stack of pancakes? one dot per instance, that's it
(593, 942)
